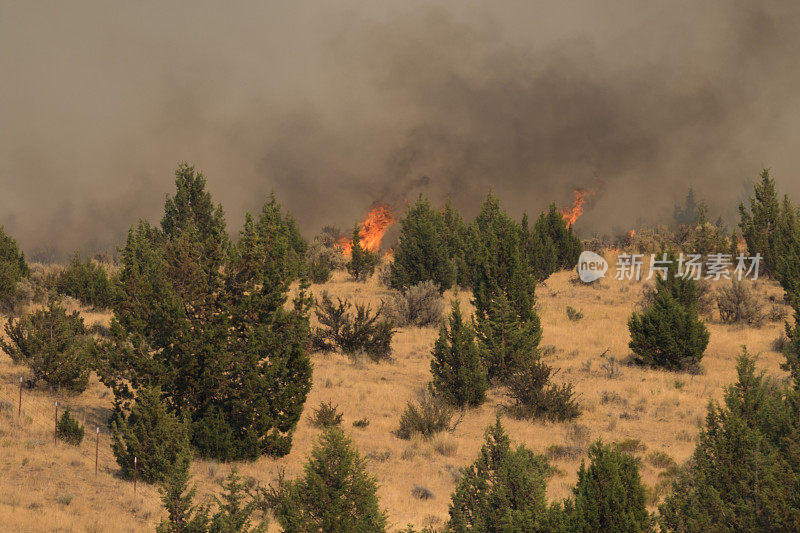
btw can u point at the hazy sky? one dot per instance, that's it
(334, 105)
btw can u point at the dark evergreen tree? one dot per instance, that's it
(458, 373)
(335, 494)
(236, 506)
(206, 321)
(504, 490)
(786, 248)
(281, 239)
(86, 281)
(609, 495)
(758, 223)
(455, 236)
(362, 261)
(421, 253)
(12, 268)
(668, 334)
(54, 345)
(157, 440)
(707, 238)
(551, 236)
(68, 429)
(540, 250)
(182, 515)
(745, 471)
(507, 327)
(689, 213)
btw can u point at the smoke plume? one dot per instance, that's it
(336, 105)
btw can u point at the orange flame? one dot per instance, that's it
(372, 229)
(571, 214)
(631, 234)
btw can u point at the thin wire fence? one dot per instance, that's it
(32, 416)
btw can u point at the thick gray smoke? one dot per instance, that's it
(336, 105)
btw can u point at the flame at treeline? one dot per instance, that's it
(372, 229)
(571, 214)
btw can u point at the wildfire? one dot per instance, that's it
(631, 234)
(571, 214)
(372, 229)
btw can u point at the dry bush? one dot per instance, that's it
(427, 417)
(326, 416)
(738, 304)
(574, 314)
(777, 313)
(421, 305)
(44, 279)
(352, 333)
(649, 240)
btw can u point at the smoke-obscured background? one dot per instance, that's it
(336, 105)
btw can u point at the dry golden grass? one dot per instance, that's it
(662, 410)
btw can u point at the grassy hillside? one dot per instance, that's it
(53, 487)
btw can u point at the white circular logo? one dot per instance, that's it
(591, 266)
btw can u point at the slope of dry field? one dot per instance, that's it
(53, 487)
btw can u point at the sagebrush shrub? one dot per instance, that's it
(427, 416)
(53, 345)
(69, 430)
(574, 314)
(420, 305)
(352, 333)
(738, 303)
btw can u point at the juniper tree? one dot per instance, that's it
(12, 268)
(362, 261)
(668, 334)
(503, 490)
(689, 213)
(507, 327)
(743, 475)
(335, 493)
(786, 248)
(206, 320)
(87, 282)
(282, 238)
(758, 223)
(609, 495)
(54, 345)
(553, 244)
(540, 251)
(153, 438)
(454, 236)
(458, 372)
(421, 253)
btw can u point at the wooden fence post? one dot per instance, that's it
(135, 467)
(96, 449)
(19, 409)
(55, 426)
